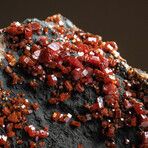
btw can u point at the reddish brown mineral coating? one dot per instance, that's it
(13, 116)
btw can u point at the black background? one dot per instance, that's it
(124, 21)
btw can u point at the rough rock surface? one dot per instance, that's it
(63, 135)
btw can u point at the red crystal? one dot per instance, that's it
(36, 54)
(51, 80)
(75, 62)
(53, 100)
(103, 64)
(118, 113)
(56, 116)
(98, 73)
(9, 127)
(138, 109)
(3, 139)
(65, 117)
(94, 107)
(39, 69)
(76, 73)
(49, 53)
(94, 60)
(35, 47)
(127, 94)
(110, 46)
(127, 104)
(143, 121)
(111, 144)
(82, 118)
(55, 18)
(110, 132)
(83, 48)
(99, 105)
(107, 71)
(144, 138)
(1, 121)
(45, 56)
(68, 85)
(35, 26)
(64, 96)
(11, 134)
(41, 143)
(87, 80)
(16, 30)
(8, 69)
(65, 55)
(91, 40)
(35, 106)
(134, 121)
(109, 79)
(42, 40)
(79, 87)
(30, 129)
(19, 141)
(54, 46)
(33, 145)
(19, 126)
(104, 112)
(89, 71)
(80, 146)
(110, 89)
(75, 123)
(13, 118)
(95, 115)
(43, 134)
(33, 84)
(26, 61)
(6, 111)
(28, 33)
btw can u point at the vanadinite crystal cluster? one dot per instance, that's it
(60, 56)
